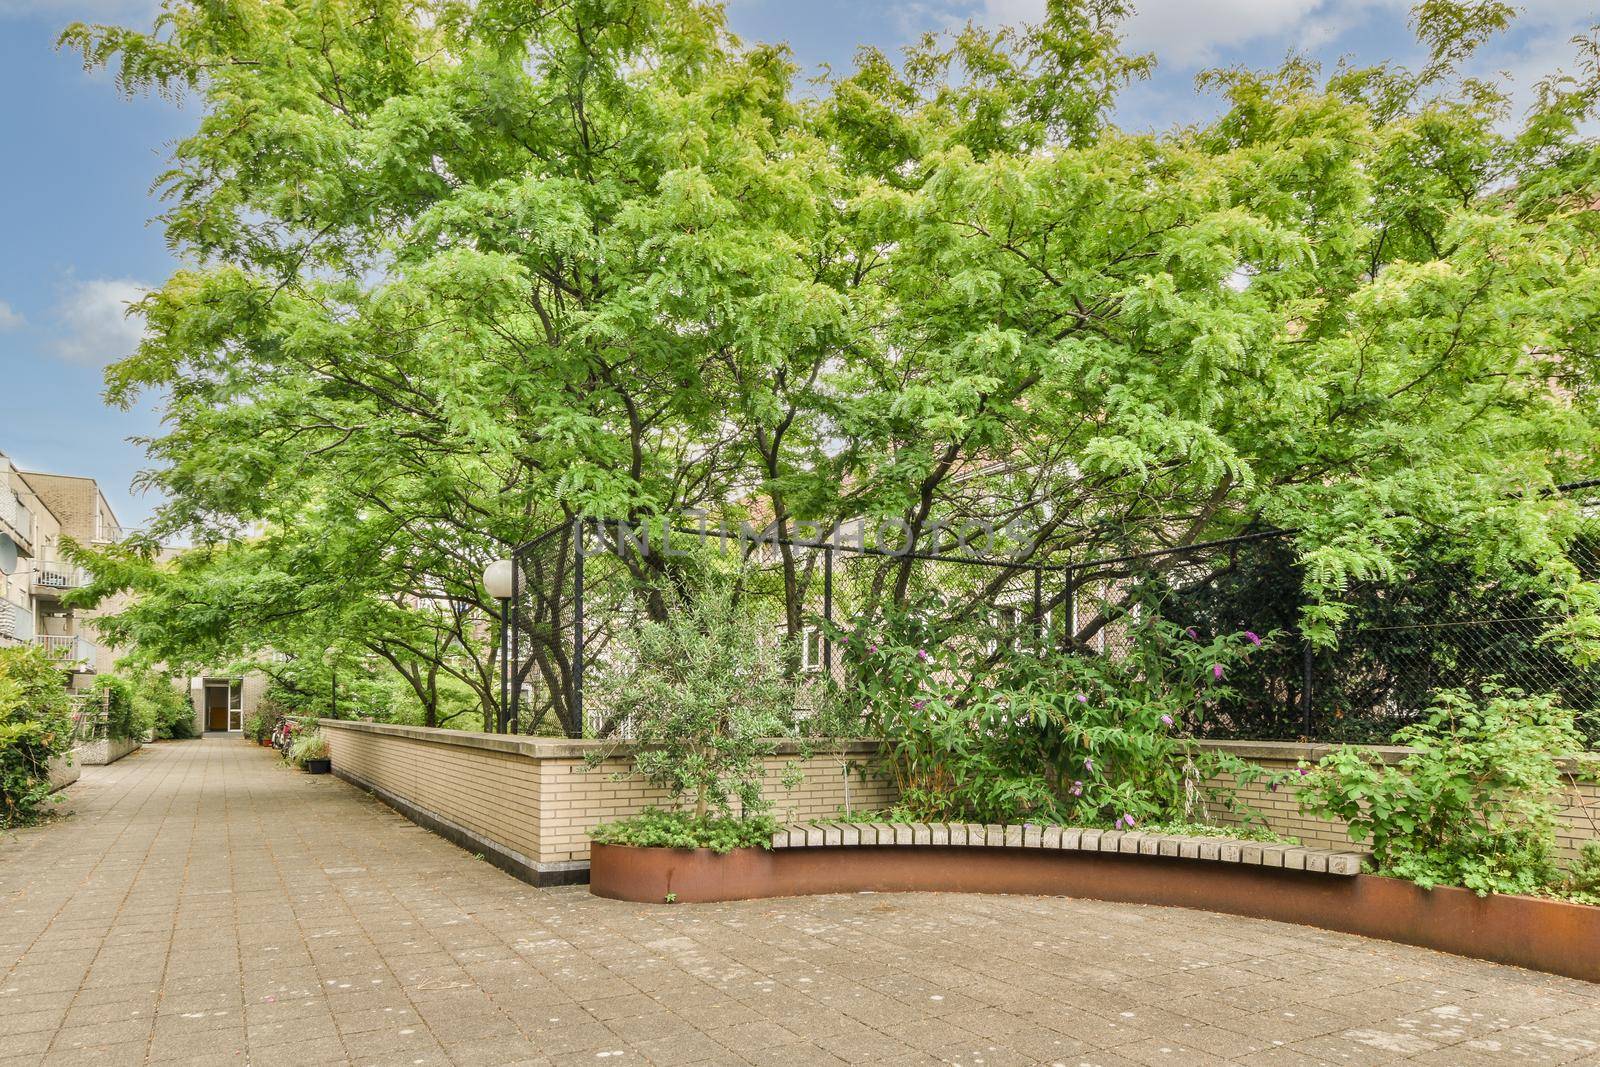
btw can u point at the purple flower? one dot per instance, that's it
(1128, 819)
(1088, 765)
(1082, 699)
(872, 649)
(1194, 635)
(1251, 636)
(1167, 719)
(1077, 787)
(1216, 670)
(922, 654)
(1303, 772)
(919, 704)
(1272, 787)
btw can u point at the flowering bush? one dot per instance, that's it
(1476, 803)
(1051, 735)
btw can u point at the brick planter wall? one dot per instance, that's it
(1580, 819)
(527, 804)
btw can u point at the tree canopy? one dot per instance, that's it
(460, 271)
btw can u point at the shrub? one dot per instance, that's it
(1475, 805)
(258, 725)
(165, 706)
(308, 745)
(1582, 883)
(126, 718)
(654, 828)
(35, 728)
(969, 735)
(701, 695)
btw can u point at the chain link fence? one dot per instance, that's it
(1440, 625)
(583, 588)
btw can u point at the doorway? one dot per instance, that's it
(217, 706)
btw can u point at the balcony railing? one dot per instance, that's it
(60, 576)
(14, 513)
(68, 648)
(16, 622)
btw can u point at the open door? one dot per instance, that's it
(217, 706)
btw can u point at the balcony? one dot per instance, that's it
(68, 649)
(52, 580)
(16, 521)
(16, 623)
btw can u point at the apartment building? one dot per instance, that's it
(36, 512)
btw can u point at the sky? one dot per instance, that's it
(77, 243)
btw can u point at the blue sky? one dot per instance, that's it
(74, 193)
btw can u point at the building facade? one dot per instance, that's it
(36, 512)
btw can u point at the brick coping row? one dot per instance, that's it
(1345, 864)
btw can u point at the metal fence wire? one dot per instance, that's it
(584, 588)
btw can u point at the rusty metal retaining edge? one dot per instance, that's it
(1543, 935)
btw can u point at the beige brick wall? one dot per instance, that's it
(1580, 818)
(577, 798)
(493, 794)
(73, 501)
(539, 796)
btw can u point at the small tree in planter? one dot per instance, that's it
(700, 697)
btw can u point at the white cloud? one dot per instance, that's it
(66, 11)
(10, 317)
(1188, 34)
(96, 326)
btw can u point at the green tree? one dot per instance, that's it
(463, 271)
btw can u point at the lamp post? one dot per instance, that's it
(499, 581)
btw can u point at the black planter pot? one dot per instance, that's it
(318, 766)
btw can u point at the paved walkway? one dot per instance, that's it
(204, 904)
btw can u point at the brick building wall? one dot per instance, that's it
(73, 501)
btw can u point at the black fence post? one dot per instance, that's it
(827, 610)
(1307, 708)
(503, 713)
(1038, 605)
(1070, 612)
(577, 631)
(515, 680)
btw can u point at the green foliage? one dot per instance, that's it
(1475, 805)
(35, 728)
(1441, 622)
(1048, 736)
(126, 717)
(309, 744)
(258, 725)
(700, 698)
(163, 702)
(455, 273)
(1582, 882)
(654, 828)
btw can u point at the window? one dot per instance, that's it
(812, 646)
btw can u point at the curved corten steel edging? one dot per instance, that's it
(1543, 935)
